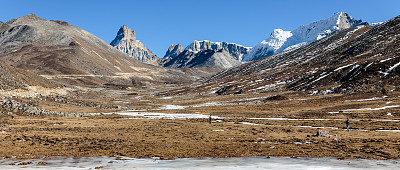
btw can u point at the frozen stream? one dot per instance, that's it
(205, 163)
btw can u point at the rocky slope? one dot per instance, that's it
(58, 50)
(280, 40)
(126, 42)
(357, 59)
(221, 55)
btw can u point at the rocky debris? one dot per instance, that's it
(276, 97)
(13, 78)
(323, 134)
(227, 90)
(13, 106)
(126, 42)
(71, 100)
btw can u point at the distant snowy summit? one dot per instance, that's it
(281, 40)
(221, 55)
(126, 42)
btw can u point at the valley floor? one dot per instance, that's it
(278, 124)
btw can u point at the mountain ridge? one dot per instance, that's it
(280, 40)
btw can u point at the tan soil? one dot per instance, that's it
(113, 135)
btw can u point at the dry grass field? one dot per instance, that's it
(282, 124)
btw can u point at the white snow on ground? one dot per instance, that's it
(387, 59)
(378, 108)
(218, 130)
(238, 163)
(361, 100)
(172, 107)
(388, 130)
(393, 67)
(337, 69)
(149, 115)
(165, 97)
(268, 86)
(208, 104)
(323, 76)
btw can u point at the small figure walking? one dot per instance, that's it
(210, 119)
(347, 124)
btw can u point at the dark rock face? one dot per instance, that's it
(126, 42)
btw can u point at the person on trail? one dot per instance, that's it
(347, 124)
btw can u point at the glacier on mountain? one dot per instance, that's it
(281, 40)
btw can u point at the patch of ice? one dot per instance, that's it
(149, 115)
(173, 107)
(165, 97)
(240, 163)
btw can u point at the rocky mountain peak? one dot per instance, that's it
(25, 19)
(345, 21)
(126, 42)
(173, 51)
(124, 33)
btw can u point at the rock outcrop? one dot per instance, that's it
(237, 51)
(173, 51)
(221, 55)
(126, 42)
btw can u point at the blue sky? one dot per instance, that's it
(160, 23)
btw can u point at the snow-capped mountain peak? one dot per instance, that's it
(281, 40)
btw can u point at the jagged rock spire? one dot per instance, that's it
(124, 33)
(173, 51)
(126, 42)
